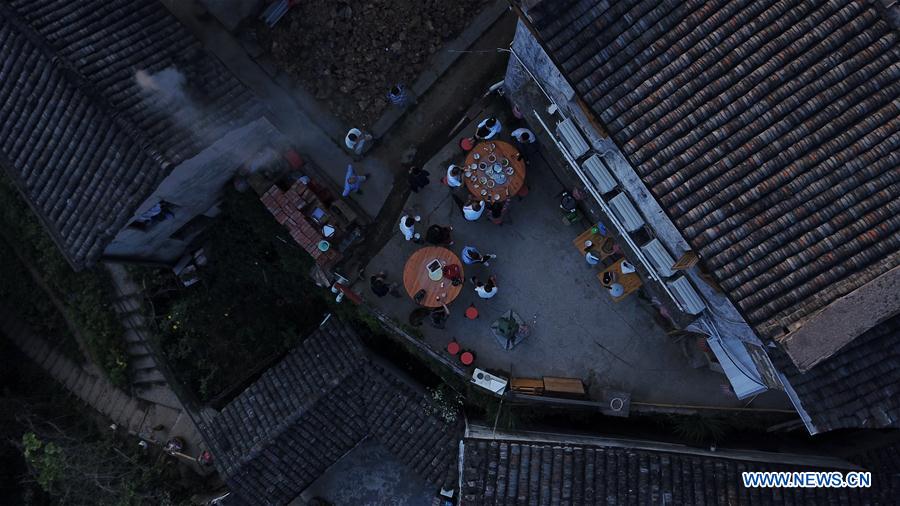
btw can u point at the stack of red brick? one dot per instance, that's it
(285, 207)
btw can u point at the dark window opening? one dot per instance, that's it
(196, 225)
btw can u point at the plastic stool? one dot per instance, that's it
(472, 312)
(467, 358)
(453, 347)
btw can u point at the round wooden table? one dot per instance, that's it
(501, 151)
(415, 276)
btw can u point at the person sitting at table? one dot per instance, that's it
(485, 290)
(439, 235)
(473, 209)
(498, 211)
(454, 176)
(523, 136)
(488, 129)
(471, 255)
(439, 316)
(408, 228)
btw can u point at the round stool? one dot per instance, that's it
(467, 143)
(471, 312)
(467, 357)
(453, 348)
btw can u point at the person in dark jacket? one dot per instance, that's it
(417, 178)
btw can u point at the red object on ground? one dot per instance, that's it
(293, 159)
(472, 312)
(467, 143)
(523, 191)
(467, 357)
(453, 347)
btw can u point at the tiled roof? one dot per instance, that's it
(859, 386)
(520, 472)
(77, 134)
(305, 413)
(768, 131)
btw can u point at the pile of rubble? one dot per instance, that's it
(348, 54)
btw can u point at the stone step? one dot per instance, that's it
(142, 362)
(137, 349)
(148, 376)
(158, 394)
(133, 320)
(132, 336)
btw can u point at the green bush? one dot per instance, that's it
(254, 301)
(87, 295)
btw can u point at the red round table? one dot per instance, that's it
(467, 358)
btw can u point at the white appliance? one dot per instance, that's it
(490, 382)
(626, 213)
(686, 295)
(596, 170)
(660, 258)
(572, 138)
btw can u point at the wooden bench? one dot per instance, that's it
(566, 386)
(532, 386)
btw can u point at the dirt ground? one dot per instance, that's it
(348, 54)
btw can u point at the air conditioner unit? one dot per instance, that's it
(626, 213)
(658, 256)
(686, 295)
(597, 172)
(490, 382)
(572, 138)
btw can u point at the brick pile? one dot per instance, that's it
(285, 206)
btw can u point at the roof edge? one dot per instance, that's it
(823, 334)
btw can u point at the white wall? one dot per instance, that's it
(194, 186)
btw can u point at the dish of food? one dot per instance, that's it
(510, 171)
(496, 196)
(473, 166)
(484, 192)
(482, 180)
(497, 168)
(476, 156)
(482, 165)
(490, 184)
(476, 185)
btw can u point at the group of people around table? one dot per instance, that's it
(472, 208)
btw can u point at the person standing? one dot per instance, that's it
(408, 228)
(441, 236)
(471, 255)
(380, 286)
(398, 95)
(485, 290)
(418, 179)
(498, 211)
(358, 142)
(523, 136)
(473, 209)
(488, 129)
(352, 182)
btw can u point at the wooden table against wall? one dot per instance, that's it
(630, 282)
(513, 183)
(603, 246)
(415, 276)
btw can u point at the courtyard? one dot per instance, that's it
(578, 330)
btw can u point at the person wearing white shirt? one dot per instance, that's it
(357, 141)
(523, 135)
(408, 227)
(454, 176)
(488, 128)
(485, 290)
(473, 210)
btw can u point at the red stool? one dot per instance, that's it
(453, 347)
(471, 312)
(293, 159)
(467, 358)
(467, 143)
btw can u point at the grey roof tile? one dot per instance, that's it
(767, 130)
(314, 406)
(77, 135)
